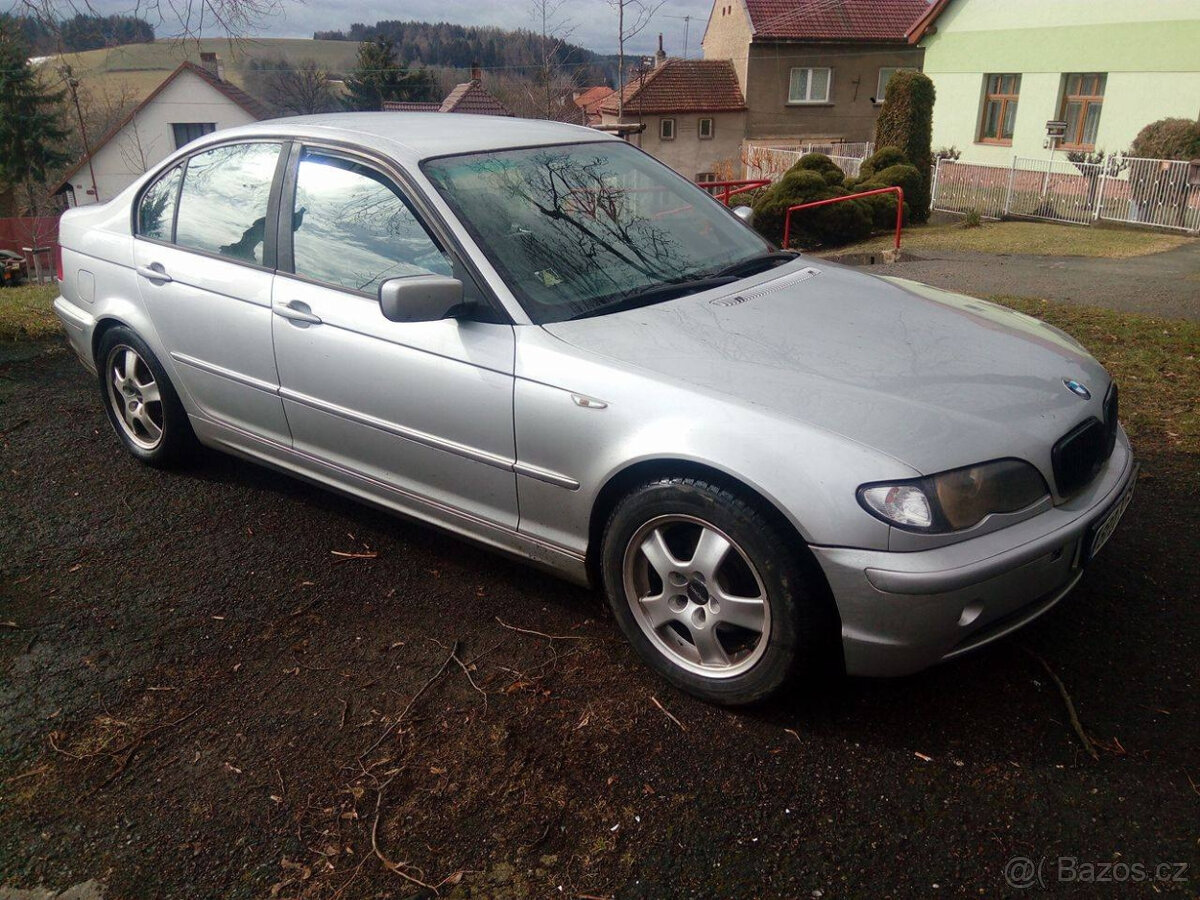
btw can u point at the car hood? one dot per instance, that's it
(934, 379)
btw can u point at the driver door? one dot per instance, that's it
(413, 410)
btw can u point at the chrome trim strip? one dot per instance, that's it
(425, 501)
(221, 371)
(411, 434)
(547, 475)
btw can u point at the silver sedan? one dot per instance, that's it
(537, 337)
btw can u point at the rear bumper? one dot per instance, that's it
(902, 612)
(79, 325)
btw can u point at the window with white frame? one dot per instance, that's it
(666, 129)
(705, 177)
(705, 129)
(810, 85)
(885, 75)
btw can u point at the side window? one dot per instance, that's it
(351, 227)
(223, 205)
(156, 212)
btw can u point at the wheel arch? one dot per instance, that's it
(627, 478)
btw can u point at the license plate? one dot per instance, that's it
(1103, 529)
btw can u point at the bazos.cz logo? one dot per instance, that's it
(1023, 872)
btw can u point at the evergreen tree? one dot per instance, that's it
(31, 131)
(378, 77)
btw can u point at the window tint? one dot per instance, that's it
(223, 206)
(351, 227)
(157, 209)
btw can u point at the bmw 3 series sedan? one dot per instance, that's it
(537, 337)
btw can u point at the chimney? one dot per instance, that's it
(476, 74)
(212, 62)
(661, 56)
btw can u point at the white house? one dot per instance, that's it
(192, 101)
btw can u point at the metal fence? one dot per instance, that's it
(1119, 189)
(771, 162)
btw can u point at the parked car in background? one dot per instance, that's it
(13, 268)
(539, 338)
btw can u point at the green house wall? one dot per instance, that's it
(1150, 50)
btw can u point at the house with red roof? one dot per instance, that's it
(468, 97)
(687, 113)
(589, 100)
(193, 100)
(813, 70)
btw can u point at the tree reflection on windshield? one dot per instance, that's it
(572, 227)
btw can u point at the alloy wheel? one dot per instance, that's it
(697, 596)
(134, 396)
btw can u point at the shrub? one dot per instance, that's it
(823, 166)
(906, 122)
(971, 219)
(881, 159)
(1168, 139)
(814, 177)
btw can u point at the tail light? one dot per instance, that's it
(58, 262)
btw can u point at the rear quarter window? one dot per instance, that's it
(156, 212)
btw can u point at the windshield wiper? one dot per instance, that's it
(657, 293)
(756, 264)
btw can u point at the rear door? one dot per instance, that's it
(422, 408)
(205, 258)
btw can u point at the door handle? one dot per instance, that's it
(154, 272)
(297, 312)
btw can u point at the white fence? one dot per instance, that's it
(1119, 189)
(772, 162)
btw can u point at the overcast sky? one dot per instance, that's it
(595, 21)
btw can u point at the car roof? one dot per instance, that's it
(421, 135)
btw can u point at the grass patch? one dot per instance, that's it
(25, 313)
(1037, 238)
(1153, 360)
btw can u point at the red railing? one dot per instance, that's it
(898, 191)
(733, 187)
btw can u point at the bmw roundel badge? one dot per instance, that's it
(1076, 388)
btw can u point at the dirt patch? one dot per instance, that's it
(201, 700)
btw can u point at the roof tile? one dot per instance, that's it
(835, 20)
(683, 85)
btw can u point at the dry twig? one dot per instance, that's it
(550, 637)
(667, 713)
(404, 712)
(1075, 723)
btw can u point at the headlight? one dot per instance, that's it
(956, 499)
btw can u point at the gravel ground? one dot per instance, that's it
(1161, 284)
(201, 700)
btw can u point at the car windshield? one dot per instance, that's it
(582, 229)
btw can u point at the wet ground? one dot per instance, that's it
(200, 698)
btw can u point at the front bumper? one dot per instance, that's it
(902, 612)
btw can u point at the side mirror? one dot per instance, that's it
(745, 213)
(421, 298)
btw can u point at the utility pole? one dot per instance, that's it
(73, 84)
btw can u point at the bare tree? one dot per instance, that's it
(183, 19)
(553, 76)
(632, 17)
(300, 90)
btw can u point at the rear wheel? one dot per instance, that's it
(140, 400)
(712, 592)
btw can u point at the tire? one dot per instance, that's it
(768, 620)
(140, 400)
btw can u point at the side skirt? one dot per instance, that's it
(559, 560)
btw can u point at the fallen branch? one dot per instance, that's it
(1075, 723)
(136, 743)
(667, 713)
(369, 555)
(397, 868)
(404, 712)
(549, 637)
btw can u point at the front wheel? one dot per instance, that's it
(712, 593)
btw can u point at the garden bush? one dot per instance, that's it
(813, 178)
(906, 122)
(1168, 139)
